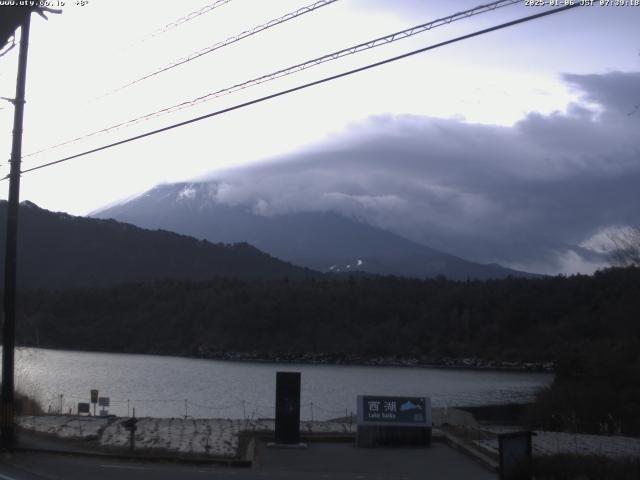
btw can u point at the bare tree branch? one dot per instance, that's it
(626, 251)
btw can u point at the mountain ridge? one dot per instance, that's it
(325, 241)
(58, 250)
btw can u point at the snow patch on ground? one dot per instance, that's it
(553, 443)
(215, 437)
(77, 428)
(208, 437)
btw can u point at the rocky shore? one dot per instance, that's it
(320, 358)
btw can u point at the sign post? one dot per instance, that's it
(103, 403)
(83, 408)
(94, 400)
(397, 420)
(130, 424)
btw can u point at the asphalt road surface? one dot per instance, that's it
(319, 461)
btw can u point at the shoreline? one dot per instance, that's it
(448, 363)
(339, 359)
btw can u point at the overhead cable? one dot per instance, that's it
(188, 17)
(292, 69)
(308, 85)
(229, 41)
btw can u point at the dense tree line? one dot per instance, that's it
(588, 325)
(512, 319)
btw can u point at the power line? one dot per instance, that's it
(294, 69)
(307, 85)
(177, 23)
(188, 17)
(229, 41)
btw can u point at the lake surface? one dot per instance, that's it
(158, 386)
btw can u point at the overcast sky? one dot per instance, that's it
(520, 146)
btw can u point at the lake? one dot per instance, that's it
(163, 386)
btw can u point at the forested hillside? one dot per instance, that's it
(57, 250)
(512, 319)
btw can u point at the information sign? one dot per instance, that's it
(376, 410)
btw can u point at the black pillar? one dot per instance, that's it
(515, 454)
(288, 407)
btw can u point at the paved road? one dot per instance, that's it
(321, 461)
(344, 461)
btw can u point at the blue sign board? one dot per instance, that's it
(398, 411)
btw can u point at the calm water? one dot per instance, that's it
(158, 386)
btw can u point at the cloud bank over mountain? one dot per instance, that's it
(535, 196)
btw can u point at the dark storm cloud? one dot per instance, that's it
(526, 195)
(618, 91)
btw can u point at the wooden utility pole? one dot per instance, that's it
(8, 327)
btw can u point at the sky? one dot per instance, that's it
(518, 147)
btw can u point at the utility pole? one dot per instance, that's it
(8, 327)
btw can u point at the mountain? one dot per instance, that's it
(324, 241)
(56, 250)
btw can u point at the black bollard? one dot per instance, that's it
(287, 408)
(131, 426)
(515, 452)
